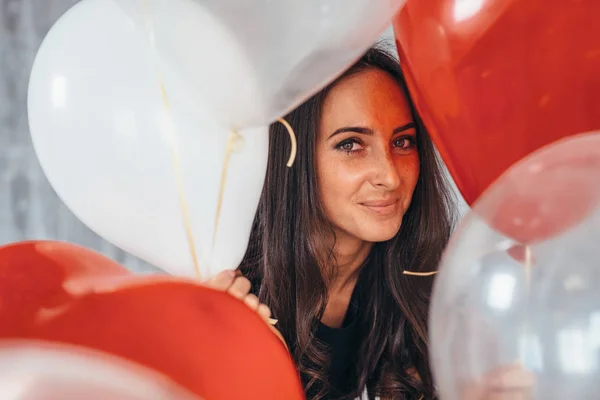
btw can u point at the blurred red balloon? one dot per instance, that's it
(547, 193)
(205, 340)
(41, 274)
(495, 80)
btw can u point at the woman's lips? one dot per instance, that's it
(381, 207)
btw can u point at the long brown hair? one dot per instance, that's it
(287, 261)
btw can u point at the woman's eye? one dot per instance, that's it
(404, 143)
(349, 145)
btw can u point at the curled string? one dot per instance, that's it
(411, 273)
(174, 150)
(293, 142)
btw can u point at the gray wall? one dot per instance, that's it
(29, 208)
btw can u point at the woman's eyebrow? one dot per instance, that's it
(355, 129)
(368, 131)
(405, 127)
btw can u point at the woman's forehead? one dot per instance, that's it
(371, 97)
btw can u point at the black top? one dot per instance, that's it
(343, 344)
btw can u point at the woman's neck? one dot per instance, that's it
(350, 254)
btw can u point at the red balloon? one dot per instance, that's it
(42, 274)
(205, 340)
(495, 80)
(547, 193)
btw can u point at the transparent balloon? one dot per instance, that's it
(516, 305)
(255, 60)
(33, 370)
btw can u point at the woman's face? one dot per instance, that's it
(367, 159)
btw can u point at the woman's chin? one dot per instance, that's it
(380, 233)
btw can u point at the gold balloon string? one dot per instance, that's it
(183, 204)
(175, 156)
(411, 273)
(293, 142)
(233, 142)
(525, 328)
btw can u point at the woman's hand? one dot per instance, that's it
(239, 287)
(511, 382)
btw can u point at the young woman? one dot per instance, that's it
(365, 201)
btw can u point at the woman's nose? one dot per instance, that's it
(385, 172)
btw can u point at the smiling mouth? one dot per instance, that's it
(387, 207)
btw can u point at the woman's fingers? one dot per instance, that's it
(222, 281)
(236, 285)
(252, 302)
(264, 311)
(240, 287)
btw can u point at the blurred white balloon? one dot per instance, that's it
(255, 60)
(517, 319)
(103, 135)
(35, 370)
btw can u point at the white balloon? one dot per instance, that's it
(255, 60)
(34, 370)
(102, 133)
